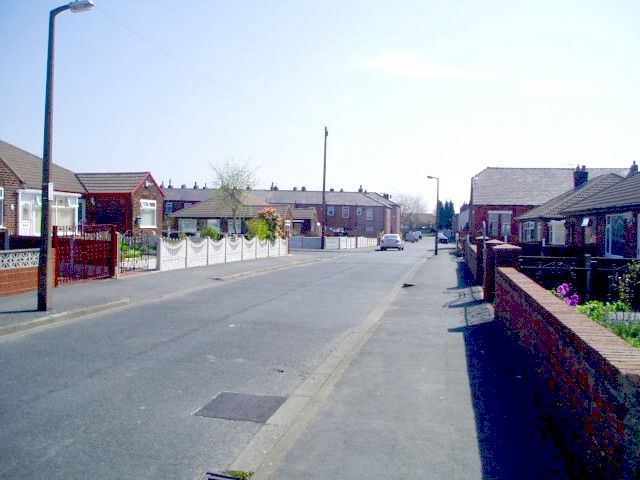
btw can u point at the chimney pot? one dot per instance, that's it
(184, 185)
(195, 185)
(633, 170)
(580, 176)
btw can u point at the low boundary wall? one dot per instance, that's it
(593, 376)
(188, 253)
(332, 243)
(18, 271)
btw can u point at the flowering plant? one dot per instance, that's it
(565, 292)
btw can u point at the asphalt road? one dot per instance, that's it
(112, 395)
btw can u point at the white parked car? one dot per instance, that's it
(391, 240)
(442, 238)
(412, 236)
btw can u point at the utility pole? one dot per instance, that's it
(324, 188)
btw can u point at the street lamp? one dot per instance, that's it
(324, 188)
(45, 261)
(437, 207)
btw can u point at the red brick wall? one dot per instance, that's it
(18, 280)
(593, 377)
(11, 185)
(110, 209)
(152, 192)
(471, 256)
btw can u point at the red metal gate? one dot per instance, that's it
(89, 252)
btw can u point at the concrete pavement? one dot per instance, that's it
(430, 390)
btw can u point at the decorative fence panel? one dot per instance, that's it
(197, 253)
(189, 253)
(234, 250)
(217, 251)
(172, 255)
(249, 248)
(87, 254)
(262, 250)
(18, 271)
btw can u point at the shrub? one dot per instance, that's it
(259, 227)
(211, 232)
(600, 312)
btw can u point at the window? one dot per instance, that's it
(147, 214)
(64, 211)
(187, 225)
(168, 207)
(331, 211)
(368, 229)
(359, 211)
(369, 214)
(530, 232)
(1, 206)
(499, 223)
(345, 212)
(614, 234)
(557, 232)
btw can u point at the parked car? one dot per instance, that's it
(391, 240)
(412, 236)
(442, 238)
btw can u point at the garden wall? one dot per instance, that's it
(18, 271)
(593, 376)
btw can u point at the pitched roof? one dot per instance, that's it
(553, 207)
(623, 194)
(187, 194)
(304, 213)
(28, 168)
(312, 197)
(112, 182)
(527, 186)
(213, 207)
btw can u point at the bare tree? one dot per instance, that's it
(411, 207)
(234, 179)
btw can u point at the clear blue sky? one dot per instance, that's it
(407, 88)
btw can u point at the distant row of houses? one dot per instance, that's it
(556, 210)
(134, 202)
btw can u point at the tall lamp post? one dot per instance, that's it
(45, 261)
(437, 207)
(324, 187)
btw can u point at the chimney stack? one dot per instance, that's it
(580, 176)
(633, 170)
(304, 189)
(169, 186)
(184, 185)
(195, 186)
(360, 189)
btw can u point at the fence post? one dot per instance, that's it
(159, 249)
(115, 251)
(587, 266)
(186, 252)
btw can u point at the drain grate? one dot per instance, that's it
(241, 406)
(218, 476)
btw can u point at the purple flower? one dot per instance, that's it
(573, 300)
(563, 289)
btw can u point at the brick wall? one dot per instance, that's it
(152, 192)
(471, 257)
(591, 377)
(18, 280)
(11, 185)
(481, 212)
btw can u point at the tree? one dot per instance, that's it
(411, 206)
(446, 213)
(233, 180)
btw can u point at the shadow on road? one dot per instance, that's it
(512, 435)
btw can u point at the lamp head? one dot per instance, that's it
(81, 6)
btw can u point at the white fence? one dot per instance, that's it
(187, 253)
(333, 243)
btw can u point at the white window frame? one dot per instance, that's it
(359, 211)
(1, 206)
(369, 214)
(331, 211)
(608, 235)
(346, 210)
(168, 207)
(530, 232)
(32, 198)
(557, 232)
(148, 204)
(500, 224)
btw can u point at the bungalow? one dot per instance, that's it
(214, 212)
(544, 228)
(608, 220)
(304, 221)
(130, 200)
(20, 193)
(176, 199)
(500, 195)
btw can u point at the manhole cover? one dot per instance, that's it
(241, 406)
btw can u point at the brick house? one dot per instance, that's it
(352, 213)
(176, 199)
(20, 193)
(500, 195)
(544, 229)
(607, 221)
(132, 201)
